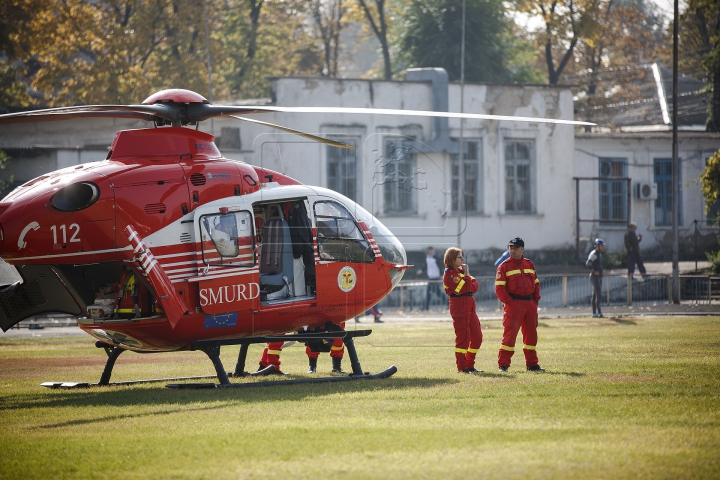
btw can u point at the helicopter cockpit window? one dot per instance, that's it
(390, 247)
(228, 239)
(338, 236)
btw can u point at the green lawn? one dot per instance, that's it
(620, 398)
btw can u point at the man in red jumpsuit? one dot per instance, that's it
(336, 353)
(517, 287)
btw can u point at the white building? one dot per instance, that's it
(519, 177)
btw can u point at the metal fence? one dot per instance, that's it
(569, 291)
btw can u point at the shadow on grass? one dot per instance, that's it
(123, 396)
(515, 374)
(567, 374)
(622, 321)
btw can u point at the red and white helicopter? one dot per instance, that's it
(191, 250)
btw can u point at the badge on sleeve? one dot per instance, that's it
(498, 276)
(456, 279)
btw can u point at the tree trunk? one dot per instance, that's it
(380, 32)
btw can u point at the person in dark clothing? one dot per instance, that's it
(594, 262)
(302, 240)
(432, 271)
(632, 245)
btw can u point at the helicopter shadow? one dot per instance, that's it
(175, 401)
(622, 321)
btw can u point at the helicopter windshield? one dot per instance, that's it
(390, 247)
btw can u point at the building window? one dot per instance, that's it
(342, 168)
(613, 193)
(399, 178)
(663, 204)
(519, 176)
(471, 178)
(713, 210)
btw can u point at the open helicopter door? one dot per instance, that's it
(345, 268)
(229, 277)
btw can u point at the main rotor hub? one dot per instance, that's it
(175, 95)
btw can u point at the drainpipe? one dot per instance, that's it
(441, 141)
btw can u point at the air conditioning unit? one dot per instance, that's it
(646, 191)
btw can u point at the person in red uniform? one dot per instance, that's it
(271, 356)
(517, 287)
(337, 351)
(460, 287)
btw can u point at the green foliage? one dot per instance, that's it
(4, 159)
(616, 259)
(119, 51)
(12, 90)
(710, 182)
(699, 51)
(431, 37)
(714, 261)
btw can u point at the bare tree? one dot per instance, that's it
(328, 16)
(379, 27)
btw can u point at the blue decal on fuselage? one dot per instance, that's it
(222, 320)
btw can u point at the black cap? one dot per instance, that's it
(516, 242)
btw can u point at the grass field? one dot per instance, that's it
(621, 398)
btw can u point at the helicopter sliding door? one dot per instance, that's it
(229, 280)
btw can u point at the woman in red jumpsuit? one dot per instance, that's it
(460, 287)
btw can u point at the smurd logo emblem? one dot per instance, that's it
(346, 279)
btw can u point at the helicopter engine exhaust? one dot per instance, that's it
(173, 305)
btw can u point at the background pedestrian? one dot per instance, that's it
(594, 262)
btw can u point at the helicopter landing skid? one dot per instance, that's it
(212, 349)
(365, 376)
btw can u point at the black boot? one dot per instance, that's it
(337, 365)
(313, 365)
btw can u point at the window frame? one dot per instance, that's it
(337, 159)
(359, 241)
(399, 199)
(476, 206)
(228, 260)
(663, 203)
(613, 193)
(530, 163)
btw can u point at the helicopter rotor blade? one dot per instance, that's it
(50, 117)
(149, 113)
(310, 136)
(417, 113)
(178, 114)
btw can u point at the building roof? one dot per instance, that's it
(653, 102)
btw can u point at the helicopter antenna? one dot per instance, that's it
(281, 162)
